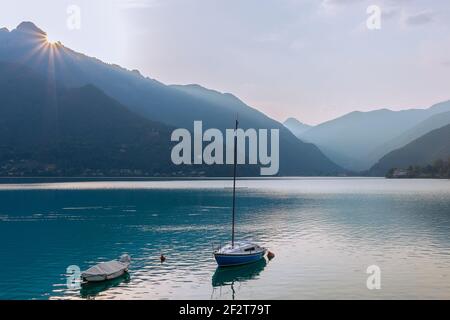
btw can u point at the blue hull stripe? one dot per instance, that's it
(224, 260)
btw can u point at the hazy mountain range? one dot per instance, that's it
(425, 151)
(296, 127)
(435, 121)
(89, 112)
(358, 140)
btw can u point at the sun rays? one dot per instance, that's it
(46, 52)
(49, 40)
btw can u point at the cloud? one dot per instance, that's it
(420, 18)
(390, 13)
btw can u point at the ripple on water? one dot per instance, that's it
(324, 232)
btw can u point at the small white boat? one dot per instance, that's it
(107, 270)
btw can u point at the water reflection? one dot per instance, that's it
(230, 276)
(91, 289)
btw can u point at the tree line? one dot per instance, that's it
(440, 169)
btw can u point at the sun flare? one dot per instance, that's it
(50, 40)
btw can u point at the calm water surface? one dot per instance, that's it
(325, 232)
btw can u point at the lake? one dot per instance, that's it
(325, 233)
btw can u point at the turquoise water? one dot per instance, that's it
(325, 232)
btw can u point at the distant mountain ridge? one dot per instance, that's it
(296, 127)
(423, 151)
(435, 121)
(174, 106)
(358, 139)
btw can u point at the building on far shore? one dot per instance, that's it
(400, 173)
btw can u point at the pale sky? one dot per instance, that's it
(310, 59)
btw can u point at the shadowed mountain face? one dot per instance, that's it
(423, 151)
(294, 154)
(176, 106)
(296, 127)
(357, 140)
(53, 131)
(48, 130)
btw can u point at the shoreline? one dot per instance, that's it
(8, 180)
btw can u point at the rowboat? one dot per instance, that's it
(107, 270)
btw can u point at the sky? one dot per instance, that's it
(313, 60)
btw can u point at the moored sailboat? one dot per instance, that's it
(237, 253)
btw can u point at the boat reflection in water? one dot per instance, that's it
(230, 276)
(91, 289)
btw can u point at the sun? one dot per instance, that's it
(49, 40)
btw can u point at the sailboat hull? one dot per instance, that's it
(228, 260)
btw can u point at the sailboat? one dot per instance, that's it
(237, 253)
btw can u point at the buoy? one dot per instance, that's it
(162, 258)
(270, 255)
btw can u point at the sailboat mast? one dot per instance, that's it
(234, 181)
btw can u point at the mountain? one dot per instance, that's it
(434, 122)
(422, 151)
(296, 157)
(175, 106)
(358, 139)
(47, 130)
(229, 105)
(296, 127)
